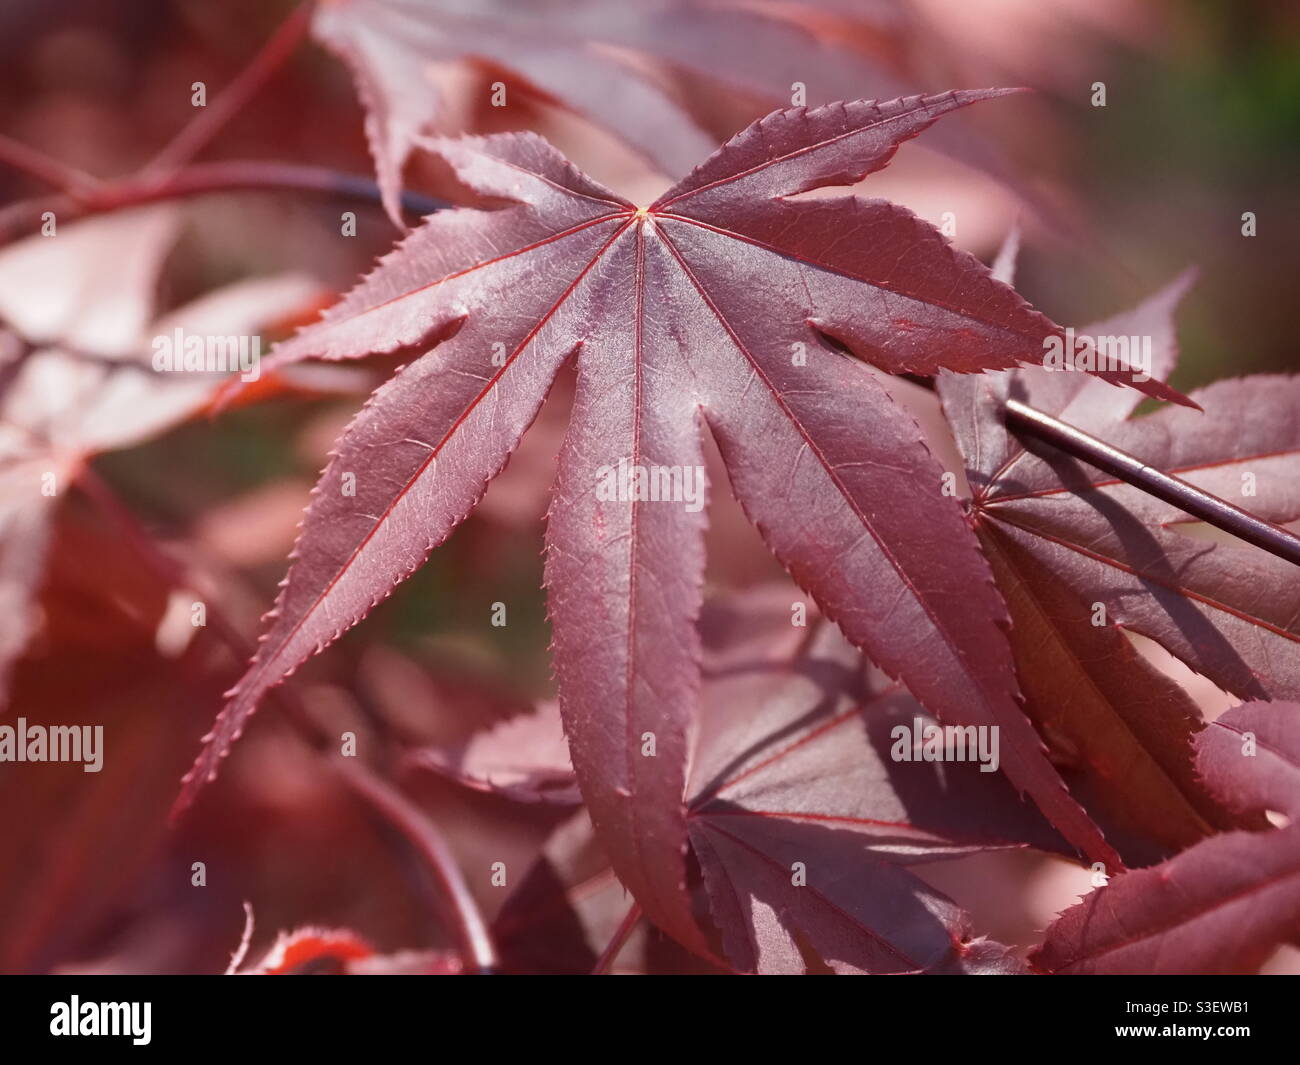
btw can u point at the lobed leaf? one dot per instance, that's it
(689, 312)
(794, 777)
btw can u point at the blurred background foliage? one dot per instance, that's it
(1201, 124)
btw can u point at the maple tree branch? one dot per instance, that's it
(229, 176)
(381, 796)
(1173, 490)
(196, 136)
(607, 957)
(23, 217)
(38, 165)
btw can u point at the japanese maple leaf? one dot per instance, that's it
(1228, 610)
(803, 822)
(79, 318)
(1221, 906)
(1119, 730)
(728, 303)
(571, 52)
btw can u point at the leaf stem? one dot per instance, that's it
(196, 135)
(1030, 421)
(1173, 490)
(608, 956)
(245, 941)
(430, 844)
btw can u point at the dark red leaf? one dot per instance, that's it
(1229, 610)
(804, 821)
(1221, 906)
(699, 308)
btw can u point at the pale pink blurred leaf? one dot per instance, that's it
(570, 52)
(77, 309)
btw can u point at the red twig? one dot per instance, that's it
(608, 956)
(429, 843)
(245, 941)
(23, 217)
(191, 140)
(212, 119)
(68, 179)
(166, 177)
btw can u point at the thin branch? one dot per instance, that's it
(610, 954)
(1173, 490)
(36, 164)
(203, 178)
(429, 843)
(24, 217)
(166, 177)
(231, 101)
